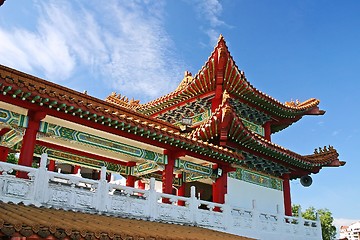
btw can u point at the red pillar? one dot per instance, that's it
(75, 169)
(168, 175)
(51, 166)
(267, 130)
(181, 190)
(220, 188)
(130, 180)
(29, 139)
(220, 185)
(287, 195)
(4, 151)
(168, 172)
(141, 185)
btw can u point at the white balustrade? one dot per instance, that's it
(67, 191)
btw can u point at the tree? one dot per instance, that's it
(326, 219)
(12, 159)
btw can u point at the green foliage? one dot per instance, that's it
(326, 219)
(12, 159)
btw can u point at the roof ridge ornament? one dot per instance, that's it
(188, 78)
(122, 100)
(225, 96)
(221, 37)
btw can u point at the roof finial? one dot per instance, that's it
(220, 37)
(187, 74)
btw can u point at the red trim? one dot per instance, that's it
(287, 195)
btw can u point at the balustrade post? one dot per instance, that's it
(152, 200)
(280, 221)
(226, 211)
(255, 216)
(193, 205)
(102, 192)
(300, 225)
(318, 225)
(41, 181)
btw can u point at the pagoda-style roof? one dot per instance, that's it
(38, 94)
(226, 127)
(233, 80)
(217, 116)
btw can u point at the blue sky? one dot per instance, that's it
(288, 49)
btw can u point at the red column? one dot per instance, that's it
(220, 188)
(75, 169)
(51, 166)
(141, 185)
(181, 190)
(267, 130)
(130, 180)
(287, 195)
(168, 172)
(167, 177)
(4, 151)
(29, 139)
(220, 185)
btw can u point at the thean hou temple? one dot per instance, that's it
(200, 157)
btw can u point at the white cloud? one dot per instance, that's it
(335, 133)
(211, 10)
(28, 51)
(123, 42)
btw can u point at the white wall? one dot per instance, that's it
(242, 194)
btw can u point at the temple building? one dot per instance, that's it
(202, 155)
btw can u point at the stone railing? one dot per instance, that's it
(66, 191)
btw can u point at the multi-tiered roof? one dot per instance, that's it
(219, 106)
